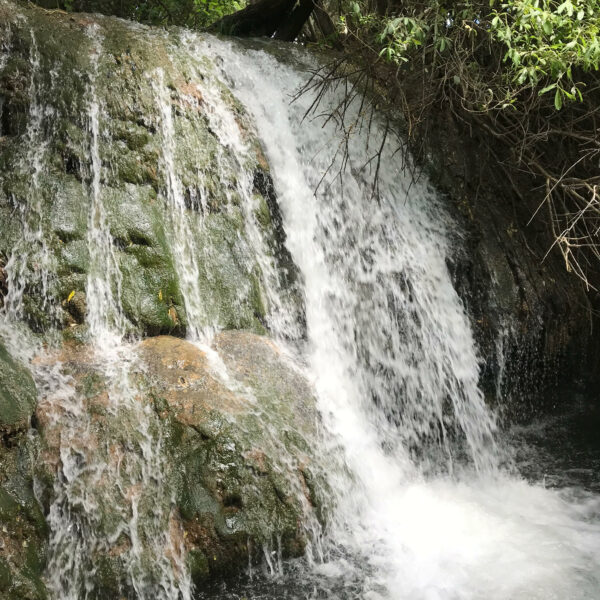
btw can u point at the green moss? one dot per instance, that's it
(91, 385)
(5, 576)
(9, 507)
(198, 566)
(262, 213)
(17, 393)
(73, 258)
(131, 146)
(68, 209)
(24, 530)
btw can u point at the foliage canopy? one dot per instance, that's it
(523, 73)
(186, 13)
(546, 44)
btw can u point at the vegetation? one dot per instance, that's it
(546, 43)
(187, 13)
(522, 73)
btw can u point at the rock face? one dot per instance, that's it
(23, 528)
(245, 453)
(124, 160)
(127, 121)
(534, 322)
(17, 394)
(235, 430)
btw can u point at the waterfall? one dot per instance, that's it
(30, 261)
(425, 499)
(429, 509)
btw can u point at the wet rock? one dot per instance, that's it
(76, 306)
(23, 530)
(3, 281)
(533, 321)
(246, 448)
(22, 526)
(236, 431)
(134, 178)
(17, 394)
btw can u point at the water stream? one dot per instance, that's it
(432, 509)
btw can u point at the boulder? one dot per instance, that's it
(247, 477)
(17, 394)
(22, 526)
(128, 71)
(232, 474)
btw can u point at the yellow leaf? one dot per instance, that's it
(173, 314)
(160, 295)
(71, 296)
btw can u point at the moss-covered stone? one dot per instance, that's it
(17, 393)
(23, 529)
(127, 70)
(244, 450)
(235, 453)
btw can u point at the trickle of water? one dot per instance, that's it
(30, 264)
(104, 282)
(182, 241)
(232, 153)
(102, 493)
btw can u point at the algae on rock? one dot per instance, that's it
(47, 175)
(23, 528)
(236, 428)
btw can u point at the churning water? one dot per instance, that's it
(428, 505)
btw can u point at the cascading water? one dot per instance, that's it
(119, 480)
(395, 366)
(426, 505)
(30, 261)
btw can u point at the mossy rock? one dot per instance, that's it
(245, 453)
(119, 67)
(17, 393)
(237, 450)
(23, 529)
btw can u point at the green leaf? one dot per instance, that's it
(547, 89)
(558, 99)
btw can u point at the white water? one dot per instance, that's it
(30, 262)
(185, 226)
(428, 512)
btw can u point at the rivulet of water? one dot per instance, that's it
(30, 263)
(113, 500)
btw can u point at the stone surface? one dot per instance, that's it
(46, 172)
(246, 450)
(236, 429)
(534, 323)
(22, 525)
(17, 394)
